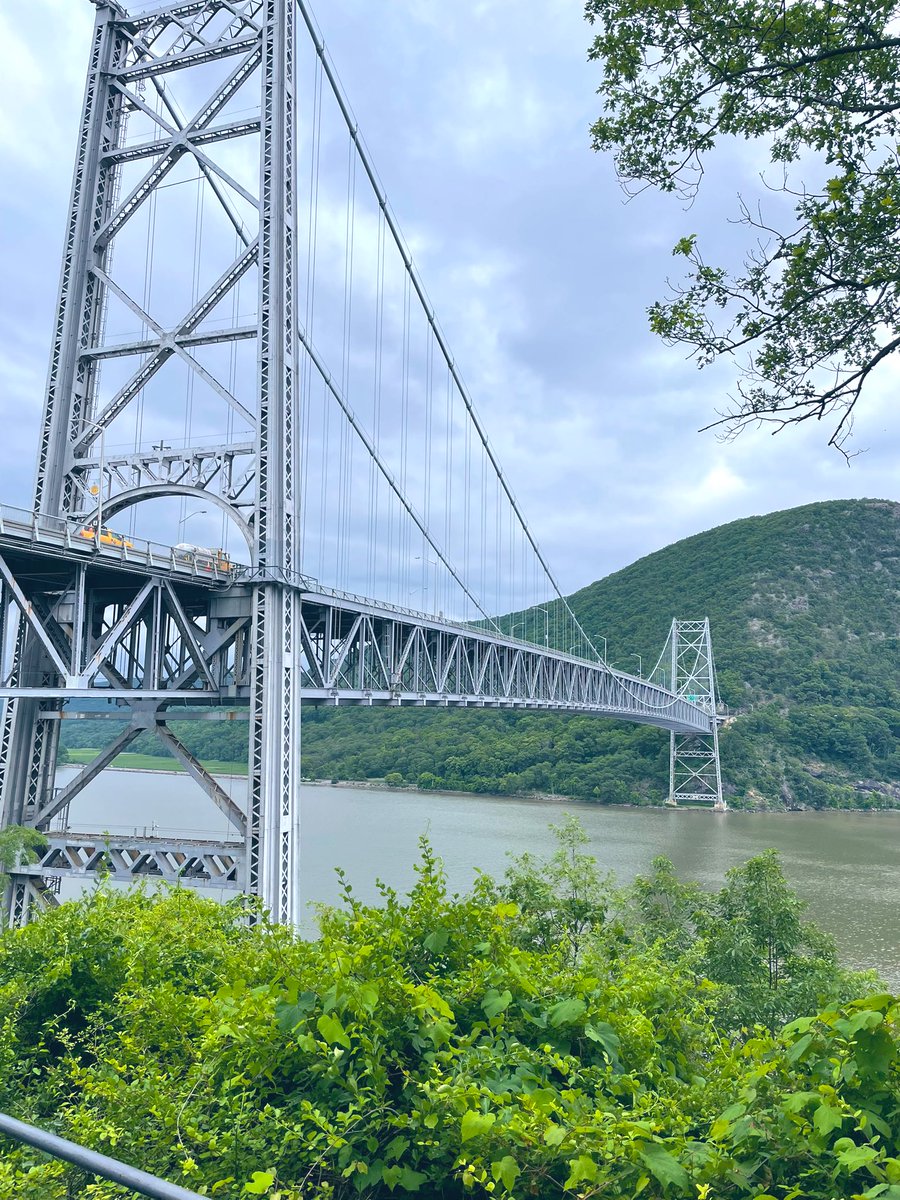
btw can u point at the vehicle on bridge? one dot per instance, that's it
(105, 537)
(203, 558)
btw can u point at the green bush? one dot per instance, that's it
(568, 1043)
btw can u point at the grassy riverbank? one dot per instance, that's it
(153, 762)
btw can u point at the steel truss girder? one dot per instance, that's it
(153, 642)
(128, 859)
(162, 640)
(695, 774)
(123, 632)
(354, 652)
(226, 471)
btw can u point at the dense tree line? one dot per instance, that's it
(544, 1035)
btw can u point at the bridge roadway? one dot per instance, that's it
(355, 650)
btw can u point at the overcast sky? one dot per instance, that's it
(477, 114)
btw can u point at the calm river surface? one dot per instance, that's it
(843, 864)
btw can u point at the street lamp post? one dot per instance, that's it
(546, 613)
(102, 431)
(518, 625)
(197, 513)
(432, 562)
(640, 665)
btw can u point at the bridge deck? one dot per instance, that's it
(356, 651)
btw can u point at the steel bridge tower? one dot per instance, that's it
(131, 59)
(695, 775)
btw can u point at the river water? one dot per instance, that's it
(844, 864)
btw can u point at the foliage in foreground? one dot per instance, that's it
(438, 1045)
(18, 844)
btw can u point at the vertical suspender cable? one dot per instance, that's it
(364, 158)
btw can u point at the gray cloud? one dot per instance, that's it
(477, 115)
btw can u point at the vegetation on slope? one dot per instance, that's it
(805, 614)
(540, 1036)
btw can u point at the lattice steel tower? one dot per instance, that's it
(695, 775)
(222, 48)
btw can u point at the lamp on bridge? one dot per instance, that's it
(430, 562)
(197, 513)
(640, 665)
(546, 613)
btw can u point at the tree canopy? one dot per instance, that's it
(814, 311)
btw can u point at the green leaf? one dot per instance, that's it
(396, 1146)
(797, 1101)
(475, 1123)
(826, 1118)
(799, 1047)
(411, 1180)
(554, 1134)
(605, 1036)
(867, 1019)
(878, 1002)
(666, 1169)
(260, 1182)
(289, 1015)
(855, 1157)
(332, 1030)
(368, 997)
(566, 1012)
(437, 940)
(875, 1051)
(506, 1171)
(580, 1169)
(495, 1003)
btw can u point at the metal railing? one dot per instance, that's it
(71, 534)
(138, 1181)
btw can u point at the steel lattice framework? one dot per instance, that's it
(153, 633)
(695, 774)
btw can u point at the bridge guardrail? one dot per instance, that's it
(140, 1182)
(63, 533)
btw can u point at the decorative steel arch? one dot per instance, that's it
(162, 491)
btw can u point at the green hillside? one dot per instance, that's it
(805, 613)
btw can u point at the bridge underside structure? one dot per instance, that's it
(200, 98)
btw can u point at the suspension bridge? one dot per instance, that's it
(241, 326)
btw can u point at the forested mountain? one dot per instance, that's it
(805, 613)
